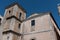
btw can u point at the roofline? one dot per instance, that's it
(15, 3)
(13, 17)
(10, 31)
(54, 21)
(41, 14)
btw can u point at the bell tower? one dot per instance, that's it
(14, 15)
(59, 8)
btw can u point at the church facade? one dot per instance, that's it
(38, 26)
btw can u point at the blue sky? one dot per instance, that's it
(32, 6)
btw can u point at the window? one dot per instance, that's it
(8, 38)
(19, 26)
(20, 15)
(32, 22)
(33, 25)
(9, 11)
(32, 39)
(0, 21)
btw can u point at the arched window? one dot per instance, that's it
(33, 39)
(9, 11)
(19, 26)
(20, 15)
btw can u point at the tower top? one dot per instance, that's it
(13, 4)
(58, 4)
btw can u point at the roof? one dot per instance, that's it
(34, 14)
(37, 15)
(12, 4)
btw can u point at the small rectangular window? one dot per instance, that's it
(19, 26)
(20, 15)
(33, 25)
(32, 22)
(8, 38)
(9, 11)
(0, 21)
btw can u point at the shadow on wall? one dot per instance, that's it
(58, 37)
